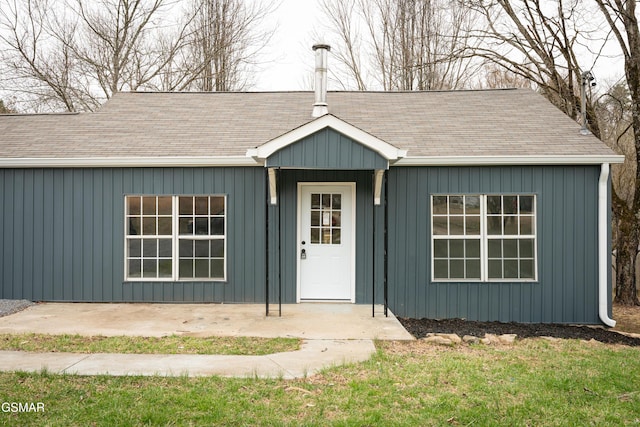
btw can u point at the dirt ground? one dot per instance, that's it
(628, 319)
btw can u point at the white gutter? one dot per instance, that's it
(117, 162)
(508, 160)
(604, 260)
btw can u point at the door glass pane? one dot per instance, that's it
(315, 235)
(315, 218)
(336, 201)
(326, 219)
(315, 201)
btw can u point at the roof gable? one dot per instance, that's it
(328, 121)
(327, 149)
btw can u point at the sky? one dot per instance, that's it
(289, 59)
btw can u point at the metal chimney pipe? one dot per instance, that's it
(320, 105)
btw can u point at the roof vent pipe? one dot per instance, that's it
(320, 105)
(587, 81)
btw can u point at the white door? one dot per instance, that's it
(326, 242)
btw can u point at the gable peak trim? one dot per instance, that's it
(386, 150)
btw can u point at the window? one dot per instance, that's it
(326, 217)
(483, 237)
(175, 238)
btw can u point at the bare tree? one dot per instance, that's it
(74, 54)
(401, 44)
(538, 40)
(35, 64)
(623, 21)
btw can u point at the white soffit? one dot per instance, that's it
(115, 162)
(383, 148)
(508, 160)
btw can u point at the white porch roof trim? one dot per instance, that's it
(381, 147)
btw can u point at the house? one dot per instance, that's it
(484, 205)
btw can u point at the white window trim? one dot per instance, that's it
(175, 241)
(484, 239)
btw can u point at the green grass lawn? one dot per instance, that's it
(534, 382)
(174, 344)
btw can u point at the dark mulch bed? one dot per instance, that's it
(419, 328)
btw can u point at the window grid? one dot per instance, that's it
(326, 218)
(159, 252)
(483, 237)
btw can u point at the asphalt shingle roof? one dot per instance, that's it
(511, 122)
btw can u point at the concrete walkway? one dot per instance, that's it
(332, 334)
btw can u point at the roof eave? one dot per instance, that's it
(508, 160)
(115, 162)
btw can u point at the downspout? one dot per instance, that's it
(603, 252)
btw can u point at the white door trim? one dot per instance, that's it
(352, 188)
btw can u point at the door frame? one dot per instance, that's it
(352, 188)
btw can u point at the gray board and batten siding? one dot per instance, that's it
(567, 204)
(62, 233)
(327, 149)
(63, 238)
